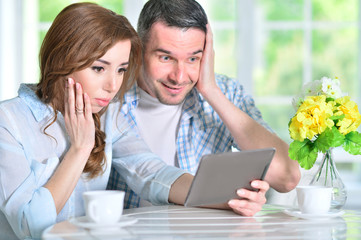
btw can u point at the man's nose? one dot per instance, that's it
(179, 73)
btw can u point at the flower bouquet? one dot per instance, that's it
(325, 119)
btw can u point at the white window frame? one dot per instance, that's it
(11, 48)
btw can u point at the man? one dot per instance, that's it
(183, 110)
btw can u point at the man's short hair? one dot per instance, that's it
(174, 13)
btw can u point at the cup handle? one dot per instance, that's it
(92, 206)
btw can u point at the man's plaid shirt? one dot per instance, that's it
(201, 131)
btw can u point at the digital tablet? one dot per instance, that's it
(219, 176)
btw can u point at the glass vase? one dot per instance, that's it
(327, 175)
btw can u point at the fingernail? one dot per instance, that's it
(240, 192)
(77, 85)
(70, 81)
(231, 203)
(254, 184)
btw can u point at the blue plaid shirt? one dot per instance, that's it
(201, 131)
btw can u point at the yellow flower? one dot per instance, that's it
(312, 118)
(352, 119)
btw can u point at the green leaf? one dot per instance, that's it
(304, 152)
(353, 143)
(329, 138)
(329, 99)
(339, 117)
(289, 122)
(295, 147)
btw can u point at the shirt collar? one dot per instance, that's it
(190, 108)
(39, 109)
(197, 108)
(192, 103)
(131, 99)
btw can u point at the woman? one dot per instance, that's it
(59, 138)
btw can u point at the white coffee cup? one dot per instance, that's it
(314, 199)
(104, 206)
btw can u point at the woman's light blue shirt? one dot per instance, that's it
(28, 158)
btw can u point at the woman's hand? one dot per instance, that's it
(80, 127)
(79, 122)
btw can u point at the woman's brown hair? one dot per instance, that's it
(79, 35)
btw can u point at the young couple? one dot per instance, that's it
(63, 136)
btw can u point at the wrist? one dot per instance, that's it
(81, 151)
(213, 92)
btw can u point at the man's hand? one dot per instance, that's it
(251, 201)
(206, 79)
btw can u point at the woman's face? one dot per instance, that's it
(103, 78)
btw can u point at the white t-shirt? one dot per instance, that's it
(158, 124)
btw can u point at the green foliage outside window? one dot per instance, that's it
(335, 54)
(48, 10)
(220, 10)
(225, 62)
(334, 10)
(282, 69)
(282, 10)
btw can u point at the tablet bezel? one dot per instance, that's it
(219, 176)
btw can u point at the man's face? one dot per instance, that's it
(171, 62)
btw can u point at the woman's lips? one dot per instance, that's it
(102, 101)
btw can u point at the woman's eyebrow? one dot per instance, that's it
(103, 61)
(108, 63)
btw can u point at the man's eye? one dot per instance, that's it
(193, 59)
(97, 69)
(165, 58)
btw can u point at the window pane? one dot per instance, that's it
(41, 36)
(49, 9)
(114, 5)
(225, 58)
(279, 66)
(278, 117)
(335, 10)
(281, 10)
(335, 55)
(219, 10)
